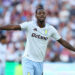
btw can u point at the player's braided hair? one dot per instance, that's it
(40, 6)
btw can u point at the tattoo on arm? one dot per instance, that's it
(66, 44)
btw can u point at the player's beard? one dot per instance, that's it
(41, 21)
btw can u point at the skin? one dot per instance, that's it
(41, 16)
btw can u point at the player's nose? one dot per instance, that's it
(42, 15)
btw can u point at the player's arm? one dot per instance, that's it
(10, 27)
(57, 37)
(66, 44)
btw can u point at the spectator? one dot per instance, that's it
(3, 51)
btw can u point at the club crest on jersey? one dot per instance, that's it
(46, 31)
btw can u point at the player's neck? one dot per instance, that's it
(41, 24)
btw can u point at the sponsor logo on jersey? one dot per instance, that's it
(39, 36)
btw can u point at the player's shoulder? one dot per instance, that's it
(50, 26)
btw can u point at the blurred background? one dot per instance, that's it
(61, 14)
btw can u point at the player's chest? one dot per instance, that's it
(39, 33)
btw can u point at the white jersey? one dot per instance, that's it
(37, 40)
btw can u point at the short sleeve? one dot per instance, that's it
(55, 34)
(24, 25)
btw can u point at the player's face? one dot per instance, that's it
(41, 15)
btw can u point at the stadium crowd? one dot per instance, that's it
(61, 14)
